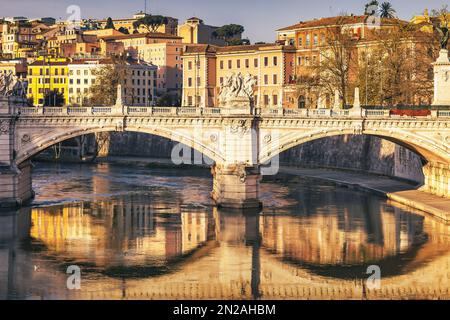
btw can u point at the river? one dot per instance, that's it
(142, 233)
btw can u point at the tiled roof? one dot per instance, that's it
(330, 21)
(45, 63)
(203, 48)
(253, 47)
(154, 35)
(199, 48)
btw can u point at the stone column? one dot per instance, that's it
(15, 180)
(236, 180)
(437, 179)
(236, 186)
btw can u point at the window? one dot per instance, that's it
(238, 63)
(322, 38)
(230, 65)
(275, 79)
(56, 72)
(255, 63)
(221, 64)
(266, 61)
(221, 80)
(300, 41)
(316, 40)
(308, 39)
(266, 79)
(190, 65)
(299, 61)
(275, 61)
(266, 99)
(198, 81)
(247, 63)
(275, 100)
(189, 82)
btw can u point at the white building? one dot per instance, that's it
(138, 88)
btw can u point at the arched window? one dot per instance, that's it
(301, 102)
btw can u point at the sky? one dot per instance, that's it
(259, 17)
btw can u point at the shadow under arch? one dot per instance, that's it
(430, 150)
(47, 140)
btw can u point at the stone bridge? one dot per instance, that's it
(244, 144)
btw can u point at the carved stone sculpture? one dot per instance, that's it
(11, 85)
(237, 90)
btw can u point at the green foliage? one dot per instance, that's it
(109, 24)
(123, 30)
(54, 98)
(229, 32)
(108, 77)
(167, 100)
(369, 9)
(150, 22)
(238, 42)
(387, 10)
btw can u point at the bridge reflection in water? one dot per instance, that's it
(144, 247)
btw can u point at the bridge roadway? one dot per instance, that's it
(243, 143)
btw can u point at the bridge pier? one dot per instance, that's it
(15, 180)
(437, 179)
(15, 185)
(236, 186)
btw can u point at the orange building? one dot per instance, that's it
(205, 68)
(160, 49)
(310, 39)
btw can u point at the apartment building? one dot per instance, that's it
(161, 50)
(207, 67)
(138, 86)
(47, 74)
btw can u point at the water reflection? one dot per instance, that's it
(156, 244)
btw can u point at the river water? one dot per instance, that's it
(141, 233)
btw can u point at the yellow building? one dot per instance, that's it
(169, 28)
(425, 20)
(206, 67)
(47, 74)
(194, 31)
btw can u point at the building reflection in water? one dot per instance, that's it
(144, 246)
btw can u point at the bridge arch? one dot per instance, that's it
(31, 146)
(428, 148)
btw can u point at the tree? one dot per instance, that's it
(108, 77)
(123, 30)
(336, 60)
(387, 11)
(229, 32)
(109, 24)
(238, 42)
(168, 100)
(54, 98)
(396, 68)
(150, 22)
(371, 8)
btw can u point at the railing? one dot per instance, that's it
(212, 112)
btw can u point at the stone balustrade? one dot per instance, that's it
(194, 111)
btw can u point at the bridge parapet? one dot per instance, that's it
(212, 112)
